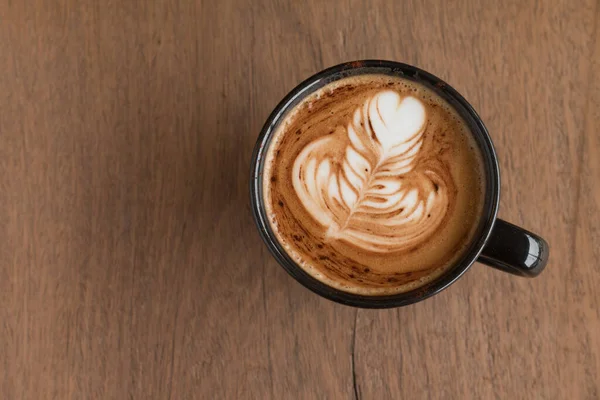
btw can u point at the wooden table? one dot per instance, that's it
(130, 267)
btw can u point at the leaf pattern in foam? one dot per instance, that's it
(375, 196)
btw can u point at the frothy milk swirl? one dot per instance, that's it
(379, 196)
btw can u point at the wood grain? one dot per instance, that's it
(129, 263)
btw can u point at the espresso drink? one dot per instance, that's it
(373, 185)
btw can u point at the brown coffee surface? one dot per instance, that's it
(373, 185)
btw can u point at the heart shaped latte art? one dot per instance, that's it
(376, 196)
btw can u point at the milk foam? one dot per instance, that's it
(374, 196)
(373, 184)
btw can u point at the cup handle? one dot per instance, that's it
(515, 250)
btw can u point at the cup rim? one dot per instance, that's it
(476, 126)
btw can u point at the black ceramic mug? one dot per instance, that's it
(497, 243)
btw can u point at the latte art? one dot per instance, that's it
(377, 196)
(372, 184)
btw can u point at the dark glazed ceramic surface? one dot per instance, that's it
(506, 247)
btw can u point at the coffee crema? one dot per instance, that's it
(373, 185)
